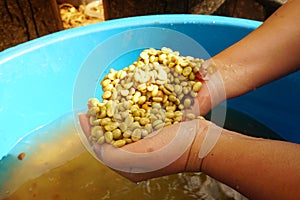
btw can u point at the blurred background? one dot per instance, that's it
(24, 20)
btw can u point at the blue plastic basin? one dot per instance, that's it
(37, 78)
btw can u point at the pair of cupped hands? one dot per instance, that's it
(170, 150)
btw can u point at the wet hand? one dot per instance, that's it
(213, 89)
(172, 149)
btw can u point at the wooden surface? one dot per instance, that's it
(242, 9)
(253, 9)
(126, 8)
(23, 20)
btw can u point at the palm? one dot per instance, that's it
(156, 155)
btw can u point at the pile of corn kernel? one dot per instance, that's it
(155, 91)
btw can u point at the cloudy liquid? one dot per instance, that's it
(57, 166)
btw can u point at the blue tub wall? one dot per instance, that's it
(276, 105)
(37, 78)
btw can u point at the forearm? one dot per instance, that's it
(258, 168)
(268, 53)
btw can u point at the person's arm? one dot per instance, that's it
(258, 168)
(268, 53)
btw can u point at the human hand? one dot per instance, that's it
(172, 149)
(213, 90)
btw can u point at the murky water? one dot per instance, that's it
(57, 166)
